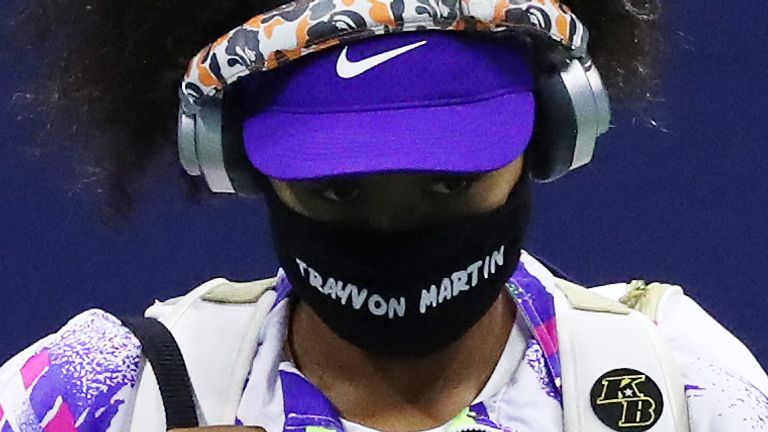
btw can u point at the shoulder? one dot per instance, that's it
(81, 375)
(725, 386)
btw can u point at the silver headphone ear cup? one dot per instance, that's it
(210, 143)
(550, 153)
(209, 148)
(186, 144)
(572, 111)
(585, 109)
(602, 102)
(245, 178)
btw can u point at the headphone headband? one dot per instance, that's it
(302, 27)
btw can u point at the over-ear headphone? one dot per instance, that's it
(572, 104)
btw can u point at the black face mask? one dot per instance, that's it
(407, 293)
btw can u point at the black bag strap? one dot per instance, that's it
(163, 353)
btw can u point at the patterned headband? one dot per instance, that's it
(301, 27)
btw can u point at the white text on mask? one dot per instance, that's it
(392, 307)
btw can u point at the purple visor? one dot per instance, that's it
(416, 101)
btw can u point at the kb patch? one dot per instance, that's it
(627, 400)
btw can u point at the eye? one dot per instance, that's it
(339, 192)
(452, 185)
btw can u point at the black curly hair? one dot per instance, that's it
(109, 85)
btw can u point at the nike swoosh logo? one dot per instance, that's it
(348, 69)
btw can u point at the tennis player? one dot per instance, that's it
(394, 143)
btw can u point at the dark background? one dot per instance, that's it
(676, 195)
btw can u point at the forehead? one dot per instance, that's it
(386, 177)
(507, 174)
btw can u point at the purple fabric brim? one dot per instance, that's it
(470, 137)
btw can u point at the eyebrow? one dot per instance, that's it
(360, 179)
(323, 182)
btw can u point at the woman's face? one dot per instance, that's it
(395, 201)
